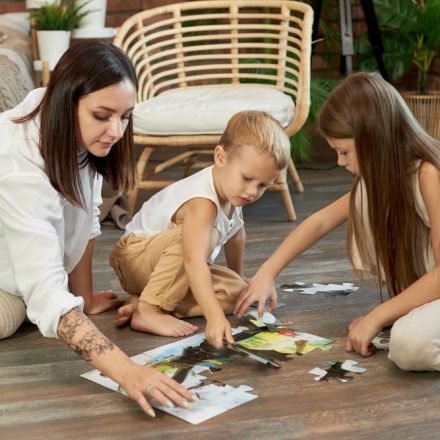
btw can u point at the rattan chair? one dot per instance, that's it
(217, 42)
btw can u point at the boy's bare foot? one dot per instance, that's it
(125, 312)
(152, 319)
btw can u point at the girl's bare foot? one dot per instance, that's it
(152, 319)
(125, 312)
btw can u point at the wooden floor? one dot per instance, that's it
(42, 395)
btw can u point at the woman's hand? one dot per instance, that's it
(101, 301)
(260, 288)
(361, 332)
(143, 383)
(139, 382)
(216, 330)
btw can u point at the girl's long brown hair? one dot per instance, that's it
(86, 67)
(388, 142)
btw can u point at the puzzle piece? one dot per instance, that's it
(330, 289)
(337, 370)
(381, 342)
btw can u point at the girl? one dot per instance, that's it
(56, 146)
(393, 213)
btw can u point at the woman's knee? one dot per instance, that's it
(415, 340)
(12, 313)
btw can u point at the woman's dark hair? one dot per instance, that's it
(85, 67)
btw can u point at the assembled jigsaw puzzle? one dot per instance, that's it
(266, 340)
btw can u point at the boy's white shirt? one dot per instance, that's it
(156, 213)
(42, 235)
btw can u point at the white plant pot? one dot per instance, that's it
(95, 18)
(36, 4)
(52, 45)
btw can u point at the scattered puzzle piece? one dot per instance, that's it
(381, 341)
(330, 289)
(337, 370)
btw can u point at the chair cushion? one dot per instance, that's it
(207, 109)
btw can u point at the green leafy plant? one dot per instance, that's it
(410, 32)
(301, 142)
(60, 15)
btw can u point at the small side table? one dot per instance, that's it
(41, 72)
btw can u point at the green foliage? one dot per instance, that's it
(301, 142)
(61, 15)
(397, 55)
(411, 36)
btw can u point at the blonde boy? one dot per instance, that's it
(165, 259)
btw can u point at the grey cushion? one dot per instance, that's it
(13, 87)
(16, 76)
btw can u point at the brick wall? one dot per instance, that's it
(11, 6)
(117, 10)
(325, 63)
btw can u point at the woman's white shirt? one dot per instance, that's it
(42, 235)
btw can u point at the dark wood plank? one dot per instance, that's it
(43, 396)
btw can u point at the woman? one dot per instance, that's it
(56, 147)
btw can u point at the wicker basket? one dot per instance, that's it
(426, 109)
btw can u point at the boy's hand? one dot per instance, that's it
(361, 332)
(217, 329)
(260, 288)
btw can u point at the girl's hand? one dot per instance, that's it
(102, 301)
(260, 288)
(361, 332)
(143, 383)
(218, 329)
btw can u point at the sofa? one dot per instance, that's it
(16, 74)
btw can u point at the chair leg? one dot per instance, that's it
(288, 204)
(282, 186)
(142, 162)
(131, 201)
(188, 163)
(140, 170)
(294, 176)
(176, 160)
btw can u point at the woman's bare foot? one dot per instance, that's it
(152, 319)
(125, 312)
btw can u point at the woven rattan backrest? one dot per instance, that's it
(220, 42)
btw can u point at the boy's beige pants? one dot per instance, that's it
(153, 269)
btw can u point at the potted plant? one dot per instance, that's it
(53, 22)
(411, 38)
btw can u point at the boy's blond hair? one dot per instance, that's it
(260, 130)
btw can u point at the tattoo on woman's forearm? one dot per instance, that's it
(92, 343)
(69, 324)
